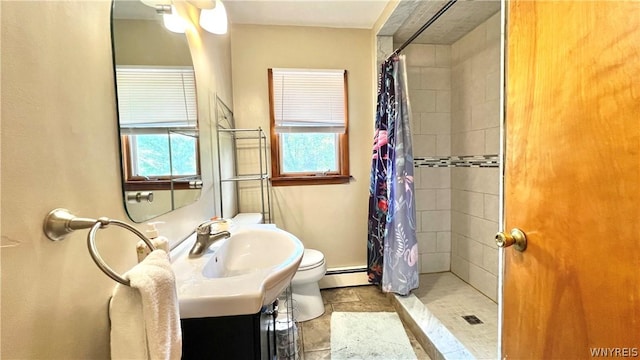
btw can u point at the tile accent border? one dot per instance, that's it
(490, 161)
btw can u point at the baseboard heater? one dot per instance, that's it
(344, 276)
(347, 270)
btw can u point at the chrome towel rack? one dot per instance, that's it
(60, 222)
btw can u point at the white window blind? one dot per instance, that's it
(156, 97)
(309, 101)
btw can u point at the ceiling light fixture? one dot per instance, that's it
(155, 3)
(172, 21)
(214, 20)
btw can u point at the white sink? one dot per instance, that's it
(238, 275)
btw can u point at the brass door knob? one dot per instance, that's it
(517, 238)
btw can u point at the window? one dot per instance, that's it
(309, 132)
(158, 126)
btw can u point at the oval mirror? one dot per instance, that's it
(157, 111)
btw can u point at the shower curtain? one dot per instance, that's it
(392, 246)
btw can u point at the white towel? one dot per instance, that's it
(145, 319)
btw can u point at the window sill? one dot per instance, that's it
(310, 180)
(157, 185)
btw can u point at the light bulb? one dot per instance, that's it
(214, 20)
(173, 22)
(155, 3)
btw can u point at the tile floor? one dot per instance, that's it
(315, 334)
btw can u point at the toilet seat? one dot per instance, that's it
(311, 259)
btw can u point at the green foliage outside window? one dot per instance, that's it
(152, 158)
(309, 152)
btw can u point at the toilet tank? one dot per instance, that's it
(247, 219)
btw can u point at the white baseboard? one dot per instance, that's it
(344, 277)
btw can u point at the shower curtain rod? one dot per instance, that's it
(424, 27)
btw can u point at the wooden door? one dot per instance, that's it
(572, 179)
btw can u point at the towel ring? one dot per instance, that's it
(60, 222)
(101, 223)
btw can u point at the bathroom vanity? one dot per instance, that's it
(231, 337)
(228, 295)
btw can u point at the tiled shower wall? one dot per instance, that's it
(458, 116)
(475, 130)
(429, 81)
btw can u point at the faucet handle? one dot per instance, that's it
(205, 227)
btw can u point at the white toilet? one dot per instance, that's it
(304, 285)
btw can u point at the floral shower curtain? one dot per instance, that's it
(392, 246)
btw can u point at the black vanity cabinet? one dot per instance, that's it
(231, 337)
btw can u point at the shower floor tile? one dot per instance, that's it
(449, 298)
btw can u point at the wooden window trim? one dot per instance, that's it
(157, 185)
(137, 183)
(341, 176)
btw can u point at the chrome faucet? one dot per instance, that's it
(204, 237)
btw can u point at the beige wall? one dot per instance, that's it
(330, 218)
(60, 149)
(147, 42)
